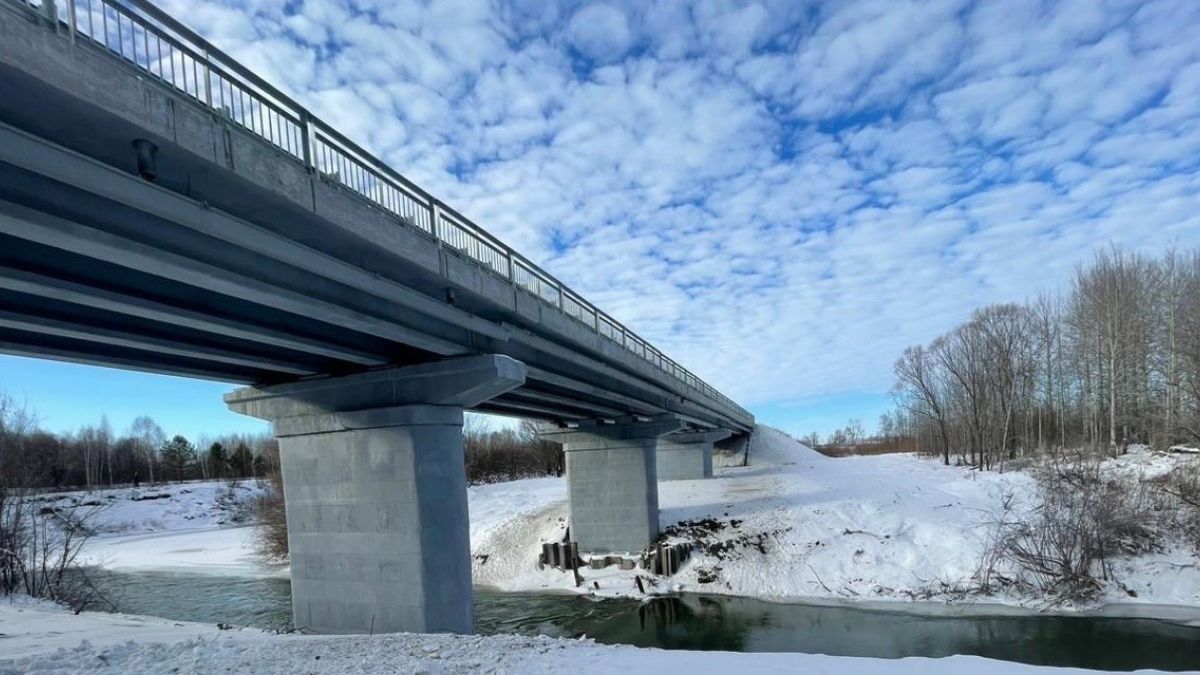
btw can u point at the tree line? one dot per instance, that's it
(1111, 361)
(96, 456)
(495, 455)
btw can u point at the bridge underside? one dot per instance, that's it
(100, 266)
(220, 256)
(237, 263)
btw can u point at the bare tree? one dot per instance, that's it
(149, 437)
(1115, 361)
(920, 391)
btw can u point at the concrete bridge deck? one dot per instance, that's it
(244, 262)
(163, 209)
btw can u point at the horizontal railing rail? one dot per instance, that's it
(161, 47)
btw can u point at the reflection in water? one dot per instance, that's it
(715, 623)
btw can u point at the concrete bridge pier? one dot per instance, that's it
(688, 456)
(376, 492)
(612, 483)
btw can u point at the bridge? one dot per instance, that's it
(164, 209)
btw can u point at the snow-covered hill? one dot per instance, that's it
(793, 525)
(198, 526)
(798, 525)
(158, 508)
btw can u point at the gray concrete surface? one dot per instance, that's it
(687, 456)
(376, 493)
(242, 264)
(612, 483)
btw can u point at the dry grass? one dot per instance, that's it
(271, 514)
(1080, 519)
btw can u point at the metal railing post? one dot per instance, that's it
(50, 14)
(435, 220)
(308, 140)
(71, 23)
(207, 81)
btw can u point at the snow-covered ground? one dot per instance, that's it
(169, 507)
(796, 525)
(793, 526)
(202, 526)
(39, 638)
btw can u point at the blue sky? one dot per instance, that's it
(781, 195)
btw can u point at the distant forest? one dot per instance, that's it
(1111, 361)
(95, 456)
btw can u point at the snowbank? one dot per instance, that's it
(197, 527)
(29, 627)
(793, 525)
(229, 550)
(167, 507)
(39, 638)
(796, 525)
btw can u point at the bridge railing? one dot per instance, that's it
(162, 48)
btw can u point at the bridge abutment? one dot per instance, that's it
(687, 456)
(375, 490)
(612, 483)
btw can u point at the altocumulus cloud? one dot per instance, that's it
(781, 195)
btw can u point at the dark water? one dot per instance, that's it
(715, 623)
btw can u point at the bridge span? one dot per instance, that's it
(164, 209)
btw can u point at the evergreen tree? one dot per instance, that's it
(217, 459)
(242, 461)
(178, 455)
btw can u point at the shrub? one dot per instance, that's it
(1078, 521)
(39, 551)
(1182, 487)
(272, 518)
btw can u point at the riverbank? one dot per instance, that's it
(797, 526)
(793, 526)
(36, 637)
(893, 533)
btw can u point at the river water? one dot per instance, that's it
(714, 623)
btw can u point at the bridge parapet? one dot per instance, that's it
(165, 51)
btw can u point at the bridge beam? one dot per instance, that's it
(375, 488)
(688, 456)
(612, 484)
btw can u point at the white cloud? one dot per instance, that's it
(600, 32)
(781, 195)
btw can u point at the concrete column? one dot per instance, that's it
(373, 477)
(688, 456)
(612, 485)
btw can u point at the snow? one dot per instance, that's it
(29, 627)
(796, 525)
(883, 527)
(202, 526)
(229, 551)
(38, 638)
(793, 526)
(167, 507)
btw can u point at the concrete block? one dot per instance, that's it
(383, 546)
(613, 494)
(683, 461)
(688, 456)
(376, 492)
